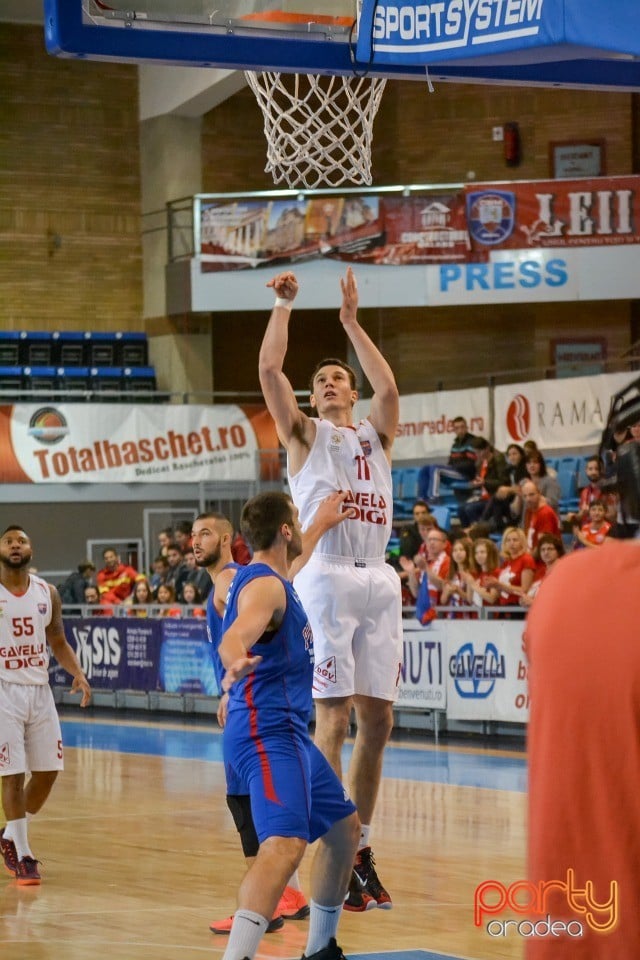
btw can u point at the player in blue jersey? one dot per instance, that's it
(296, 798)
(212, 535)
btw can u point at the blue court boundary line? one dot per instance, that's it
(442, 765)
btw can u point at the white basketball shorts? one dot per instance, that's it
(30, 736)
(355, 612)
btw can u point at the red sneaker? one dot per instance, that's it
(293, 905)
(366, 871)
(223, 927)
(27, 873)
(357, 899)
(9, 854)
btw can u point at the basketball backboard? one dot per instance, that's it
(316, 37)
(289, 35)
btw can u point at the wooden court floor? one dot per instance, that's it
(139, 853)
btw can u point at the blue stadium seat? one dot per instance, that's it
(102, 349)
(141, 381)
(76, 381)
(442, 515)
(132, 349)
(42, 380)
(11, 384)
(37, 348)
(568, 480)
(70, 348)
(409, 493)
(106, 382)
(396, 484)
(9, 348)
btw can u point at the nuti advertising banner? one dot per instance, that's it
(118, 443)
(557, 414)
(423, 681)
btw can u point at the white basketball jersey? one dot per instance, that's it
(351, 459)
(24, 654)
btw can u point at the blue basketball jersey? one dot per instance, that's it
(214, 631)
(282, 681)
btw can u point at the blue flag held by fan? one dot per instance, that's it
(424, 611)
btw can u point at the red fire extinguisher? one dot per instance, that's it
(511, 144)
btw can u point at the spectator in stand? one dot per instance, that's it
(410, 539)
(182, 535)
(463, 456)
(548, 485)
(92, 600)
(433, 563)
(518, 568)
(498, 513)
(455, 591)
(160, 569)
(72, 590)
(405, 565)
(461, 466)
(178, 570)
(549, 550)
(197, 576)
(529, 447)
(538, 517)
(596, 529)
(166, 596)
(590, 492)
(116, 579)
(486, 567)
(491, 474)
(140, 599)
(192, 598)
(165, 537)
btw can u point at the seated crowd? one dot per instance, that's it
(509, 531)
(175, 587)
(506, 538)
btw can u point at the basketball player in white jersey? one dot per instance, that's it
(352, 597)
(30, 741)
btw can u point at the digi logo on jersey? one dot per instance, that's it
(98, 650)
(23, 655)
(475, 674)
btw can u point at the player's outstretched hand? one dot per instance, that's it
(331, 511)
(240, 668)
(81, 685)
(285, 285)
(349, 287)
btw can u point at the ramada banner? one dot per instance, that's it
(448, 227)
(117, 443)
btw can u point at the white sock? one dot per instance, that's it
(16, 830)
(323, 925)
(294, 881)
(246, 933)
(365, 829)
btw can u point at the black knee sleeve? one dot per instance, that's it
(240, 807)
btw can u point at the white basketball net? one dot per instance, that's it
(319, 129)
